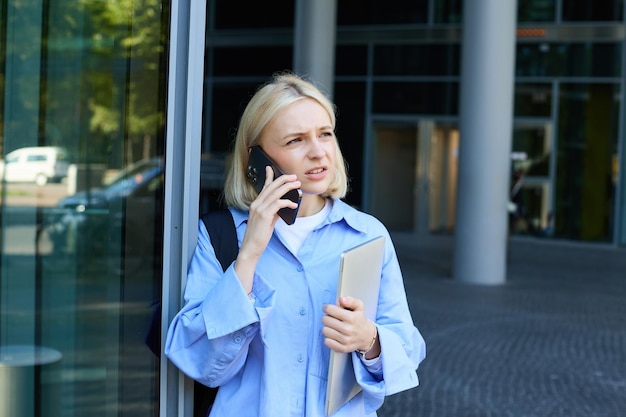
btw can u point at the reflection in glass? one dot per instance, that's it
(587, 11)
(568, 59)
(81, 222)
(533, 100)
(429, 59)
(535, 10)
(416, 98)
(448, 11)
(587, 147)
(531, 187)
(381, 12)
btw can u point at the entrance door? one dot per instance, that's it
(393, 176)
(413, 175)
(532, 178)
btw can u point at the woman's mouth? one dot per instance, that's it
(316, 173)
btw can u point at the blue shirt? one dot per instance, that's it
(267, 354)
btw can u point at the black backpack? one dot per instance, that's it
(223, 235)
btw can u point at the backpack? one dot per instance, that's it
(221, 228)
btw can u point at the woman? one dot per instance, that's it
(263, 329)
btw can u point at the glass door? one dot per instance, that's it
(414, 175)
(393, 175)
(532, 173)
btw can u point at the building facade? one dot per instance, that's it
(144, 98)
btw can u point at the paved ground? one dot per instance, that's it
(551, 342)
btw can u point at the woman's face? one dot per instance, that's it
(300, 140)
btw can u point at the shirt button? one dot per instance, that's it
(237, 339)
(300, 358)
(300, 268)
(302, 311)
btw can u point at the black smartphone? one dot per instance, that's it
(255, 172)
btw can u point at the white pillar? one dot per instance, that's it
(314, 41)
(486, 122)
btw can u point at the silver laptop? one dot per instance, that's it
(359, 277)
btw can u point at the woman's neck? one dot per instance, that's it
(310, 205)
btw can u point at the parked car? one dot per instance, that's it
(37, 164)
(121, 221)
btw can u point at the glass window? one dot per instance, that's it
(259, 61)
(568, 59)
(228, 103)
(533, 100)
(417, 60)
(253, 14)
(587, 147)
(351, 109)
(437, 98)
(533, 147)
(351, 60)
(448, 11)
(381, 12)
(81, 233)
(535, 10)
(585, 10)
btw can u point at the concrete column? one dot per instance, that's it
(314, 41)
(486, 121)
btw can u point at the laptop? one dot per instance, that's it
(359, 277)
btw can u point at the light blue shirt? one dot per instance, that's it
(267, 354)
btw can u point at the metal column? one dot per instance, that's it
(486, 117)
(314, 41)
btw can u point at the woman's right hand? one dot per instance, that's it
(261, 221)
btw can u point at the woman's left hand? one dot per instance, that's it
(346, 328)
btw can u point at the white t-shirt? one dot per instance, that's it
(293, 235)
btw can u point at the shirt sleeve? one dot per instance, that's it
(209, 338)
(402, 346)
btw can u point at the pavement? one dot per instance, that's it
(549, 342)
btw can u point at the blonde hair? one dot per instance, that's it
(283, 90)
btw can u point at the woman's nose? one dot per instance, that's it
(316, 150)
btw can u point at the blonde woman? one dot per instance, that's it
(263, 329)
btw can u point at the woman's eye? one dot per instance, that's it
(292, 141)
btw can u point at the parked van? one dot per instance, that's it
(38, 164)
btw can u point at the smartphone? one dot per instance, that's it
(255, 173)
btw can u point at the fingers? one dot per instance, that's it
(345, 326)
(264, 212)
(274, 189)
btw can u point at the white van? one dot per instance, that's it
(38, 164)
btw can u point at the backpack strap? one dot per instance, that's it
(221, 228)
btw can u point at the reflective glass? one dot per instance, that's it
(531, 185)
(417, 60)
(568, 59)
(585, 10)
(381, 12)
(227, 104)
(253, 14)
(266, 59)
(533, 100)
(351, 60)
(536, 10)
(416, 98)
(448, 11)
(586, 161)
(350, 99)
(82, 139)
